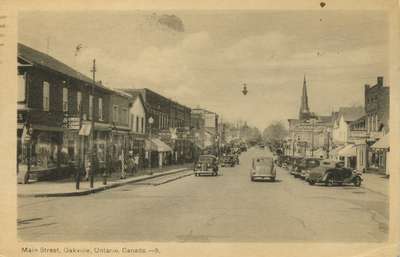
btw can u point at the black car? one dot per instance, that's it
(228, 160)
(293, 165)
(305, 166)
(206, 165)
(334, 173)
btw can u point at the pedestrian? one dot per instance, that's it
(136, 163)
(122, 164)
(130, 163)
(87, 165)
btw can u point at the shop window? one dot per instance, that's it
(90, 107)
(21, 88)
(65, 99)
(79, 102)
(100, 108)
(46, 96)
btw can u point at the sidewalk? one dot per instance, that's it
(67, 187)
(377, 183)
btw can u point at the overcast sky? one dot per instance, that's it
(201, 58)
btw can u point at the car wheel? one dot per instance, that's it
(311, 182)
(357, 181)
(329, 181)
(215, 174)
(252, 179)
(272, 179)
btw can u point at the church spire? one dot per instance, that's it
(304, 109)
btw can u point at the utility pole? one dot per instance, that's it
(93, 160)
(312, 138)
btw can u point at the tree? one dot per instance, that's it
(275, 132)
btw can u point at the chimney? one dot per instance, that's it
(380, 81)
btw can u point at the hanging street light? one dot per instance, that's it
(245, 91)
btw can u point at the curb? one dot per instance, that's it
(110, 186)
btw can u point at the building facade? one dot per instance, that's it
(171, 128)
(310, 134)
(55, 108)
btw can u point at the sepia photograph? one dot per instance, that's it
(203, 126)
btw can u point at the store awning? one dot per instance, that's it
(383, 143)
(85, 129)
(348, 151)
(157, 145)
(336, 150)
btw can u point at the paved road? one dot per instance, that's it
(226, 208)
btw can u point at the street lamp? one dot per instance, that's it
(245, 91)
(151, 121)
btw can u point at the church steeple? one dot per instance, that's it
(304, 109)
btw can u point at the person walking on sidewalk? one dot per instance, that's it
(130, 163)
(136, 163)
(122, 164)
(87, 165)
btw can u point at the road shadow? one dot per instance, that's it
(267, 181)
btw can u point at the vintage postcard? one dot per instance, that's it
(214, 129)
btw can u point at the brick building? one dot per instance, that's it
(170, 129)
(54, 112)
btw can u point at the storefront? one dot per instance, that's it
(157, 152)
(379, 153)
(349, 155)
(137, 146)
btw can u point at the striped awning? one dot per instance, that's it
(348, 151)
(382, 143)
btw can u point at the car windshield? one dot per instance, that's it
(206, 158)
(263, 161)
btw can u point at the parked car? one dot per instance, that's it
(228, 160)
(282, 160)
(293, 166)
(305, 166)
(263, 168)
(334, 173)
(206, 165)
(237, 161)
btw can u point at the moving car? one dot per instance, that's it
(228, 160)
(206, 165)
(334, 173)
(263, 168)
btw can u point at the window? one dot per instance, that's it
(124, 119)
(132, 121)
(90, 107)
(115, 113)
(79, 102)
(376, 123)
(46, 96)
(21, 88)
(142, 125)
(100, 108)
(65, 99)
(137, 124)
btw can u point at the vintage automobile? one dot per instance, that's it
(263, 168)
(334, 173)
(293, 165)
(305, 166)
(206, 165)
(228, 161)
(282, 160)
